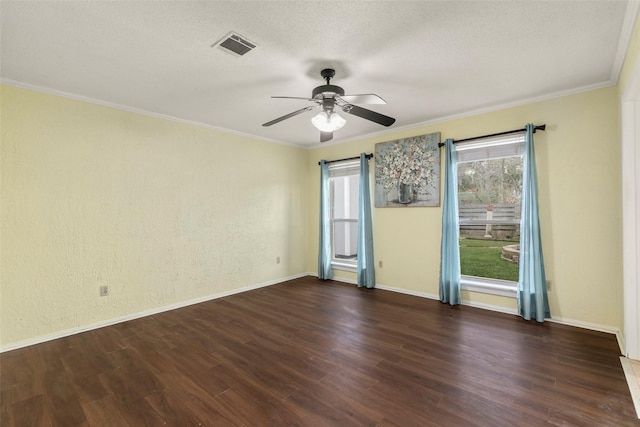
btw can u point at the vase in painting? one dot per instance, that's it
(405, 193)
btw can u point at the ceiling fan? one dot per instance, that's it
(331, 97)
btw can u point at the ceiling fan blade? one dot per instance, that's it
(326, 136)
(295, 97)
(369, 115)
(286, 116)
(364, 98)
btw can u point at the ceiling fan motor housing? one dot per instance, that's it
(327, 91)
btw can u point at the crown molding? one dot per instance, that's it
(75, 97)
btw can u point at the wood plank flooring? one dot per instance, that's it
(312, 353)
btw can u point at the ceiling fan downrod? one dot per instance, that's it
(328, 90)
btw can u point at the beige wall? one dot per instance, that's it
(578, 161)
(160, 211)
(165, 212)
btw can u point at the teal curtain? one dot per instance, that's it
(366, 263)
(533, 302)
(449, 246)
(324, 248)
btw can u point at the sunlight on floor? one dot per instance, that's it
(632, 373)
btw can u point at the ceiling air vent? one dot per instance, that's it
(235, 44)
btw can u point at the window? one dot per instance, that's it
(489, 203)
(344, 183)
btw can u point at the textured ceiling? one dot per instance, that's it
(429, 59)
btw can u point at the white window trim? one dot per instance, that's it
(351, 266)
(505, 288)
(493, 148)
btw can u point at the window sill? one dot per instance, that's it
(345, 266)
(505, 288)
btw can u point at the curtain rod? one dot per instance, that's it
(539, 127)
(368, 156)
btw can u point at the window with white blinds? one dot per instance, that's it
(344, 183)
(490, 148)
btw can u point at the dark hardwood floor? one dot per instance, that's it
(312, 353)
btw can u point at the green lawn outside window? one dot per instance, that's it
(482, 258)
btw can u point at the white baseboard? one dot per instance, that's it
(622, 344)
(633, 382)
(437, 297)
(426, 295)
(137, 315)
(560, 320)
(408, 292)
(594, 327)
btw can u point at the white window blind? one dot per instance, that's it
(344, 168)
(490, 148)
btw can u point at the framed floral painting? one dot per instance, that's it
(408, 172)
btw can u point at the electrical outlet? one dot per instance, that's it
(277, 260)
(104, 291)
(548, 285)
(380, 264)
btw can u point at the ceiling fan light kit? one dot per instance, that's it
(328, 122)
(329, 96)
